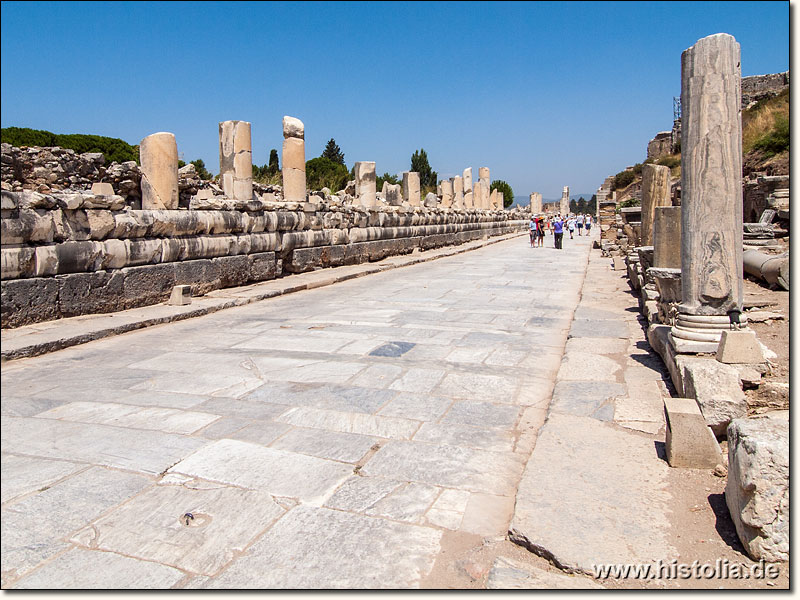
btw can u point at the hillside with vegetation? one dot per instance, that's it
(113, 149)
(765, 147)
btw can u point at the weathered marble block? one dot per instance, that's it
(158, 154)
(411, 188)
(235, 159)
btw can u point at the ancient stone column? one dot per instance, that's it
(500, 202)
(236, 160)
(655, 193)
(469, 200)
(483, 175)
(711, 192)
(365, 183)
(158, 155)
(493, 200)
(467, 180)
(564, 206)
(485, 199)
(667, 237)
(458, 192)
(392, 194)
(447, 193)
(294, 160)
(411, 193)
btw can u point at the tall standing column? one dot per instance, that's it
(564, 206)
(411, 191)
(366, 183)
(447, 193)
(711, 192)
(469, 196)
(158, 155)
(655, 193)
(236, 160)
(294, 160)
(458, 192)
(484, 178)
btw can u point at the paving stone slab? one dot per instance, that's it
(34, 528)
(482, 414)
(24, 474)
(133, 449)
(409, 502)
(210, 384)
(510, 574)
(419, 381)
(81, 569)
(494, 440)
(333, 445)
(567, 511)
(446, 466)
(348, 398)
(419, 407)
(339, 551)
(153, 526)
(258, 468)
(359, 493)
(586, 398)
(602, 328)
(475, 386)
(582, 366)
(168, 420)
(345, 422)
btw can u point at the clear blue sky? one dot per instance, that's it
(546, 94)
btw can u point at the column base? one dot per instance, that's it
(693, 334)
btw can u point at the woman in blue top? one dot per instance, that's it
(558, 231)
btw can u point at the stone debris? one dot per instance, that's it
(757, 491)
(716, 388)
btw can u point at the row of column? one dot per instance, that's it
(159, 164)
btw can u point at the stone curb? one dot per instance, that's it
(56, 335)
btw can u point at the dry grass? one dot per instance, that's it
(760, 120)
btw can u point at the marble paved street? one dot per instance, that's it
(325, 439)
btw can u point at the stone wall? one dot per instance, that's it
(73, 253)
(758, 87)
(660, 145)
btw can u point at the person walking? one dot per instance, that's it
(558, 232)
(579, 224)
(588, 224)
(540, 223)
(571, 227)
(534, 234)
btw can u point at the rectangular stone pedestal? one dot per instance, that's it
(690, 442)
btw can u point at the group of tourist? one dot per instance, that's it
(539, 224)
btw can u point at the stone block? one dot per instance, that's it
(180, 296)
(619, 264)
(740, 347)
(151, 284)
(159, 158)
(411, 188)
(17, 262)
(24, 301)
(757, 491)
(293, 128)
(233, 270)
(203, 275)
(689, 442)
(102, 189)
(716, 387)
(88, 293)
(263, 266)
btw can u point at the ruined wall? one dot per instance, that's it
(74, 253)
(758, 87)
